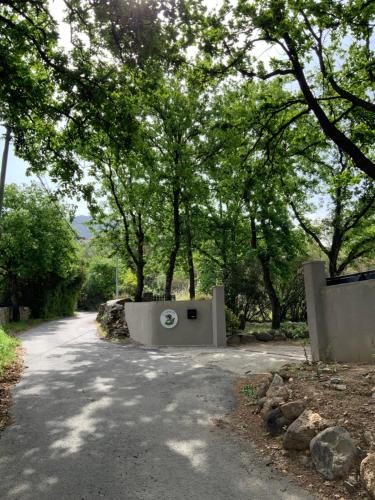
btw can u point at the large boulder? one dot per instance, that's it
(292, 410)
(303, 429)
(264, 336)
(270, 404)
(278, 392)
(276, 422)
(277, 381)
(111, 317)
(367, 471)
(333, 452)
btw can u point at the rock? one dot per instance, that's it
(369, 438)
(264, 385)
(262, 390)
(351, 486)
(278, 392)
(304, 460)
(261, 402)
(324, 369)
(293, 409)
(336, 380)
(284, 373)
(277, 381)
(263, 336)
(279, 336)
(276, 422)
(111, 317)
(270, 404)
(367, 472)
(339, 387)
(234, 340)
(333, 452)
(303, 429)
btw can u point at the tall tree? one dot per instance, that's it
(324, 47)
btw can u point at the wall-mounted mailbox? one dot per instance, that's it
(192, 314)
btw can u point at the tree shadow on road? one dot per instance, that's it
(103, 420)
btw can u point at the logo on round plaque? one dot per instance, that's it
(169, 318)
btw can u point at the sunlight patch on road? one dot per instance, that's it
(194, 450)
(80, 426)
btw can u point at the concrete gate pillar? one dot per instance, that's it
(218, 317)
(315, 283)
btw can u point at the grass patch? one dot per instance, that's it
(8, 345)
(21, 326)
(292, 330)
(258, 327)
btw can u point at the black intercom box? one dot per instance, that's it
(192, 314)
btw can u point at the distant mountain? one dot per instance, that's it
(80, 225)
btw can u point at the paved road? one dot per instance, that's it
(100, 420)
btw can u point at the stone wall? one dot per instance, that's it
(5, 315)
(111, 317)
(25, 313)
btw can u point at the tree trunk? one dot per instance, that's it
(14, 298)
(189, 252)
(4, 164)
(271, 292)
(176, 244)
(270, 289)
(139, 261)
(191, 272)
(329, 128)
(140, 283)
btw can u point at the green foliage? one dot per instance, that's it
(249, 391)
(20, 326)
(99, 285)
(8, 346)
(295, 330)
(196, 177)
(39, 256)
(231, 319)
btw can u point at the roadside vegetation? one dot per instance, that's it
(212, 146)
(8, 344)
(40, 262)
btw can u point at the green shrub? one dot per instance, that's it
(8, 346)
(99, 285)
(39, 255)
(295, 330)
(249, 391)
(232, 321)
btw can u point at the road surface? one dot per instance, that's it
(94, 419)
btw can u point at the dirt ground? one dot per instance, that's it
(353, 409)
(10, 377)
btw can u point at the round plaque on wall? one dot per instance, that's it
(169, 318)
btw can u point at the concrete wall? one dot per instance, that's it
(143, 320)
(341, 317)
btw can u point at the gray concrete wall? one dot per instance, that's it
(143, 320)
(341, 317)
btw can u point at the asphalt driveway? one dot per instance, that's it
(94, 419)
